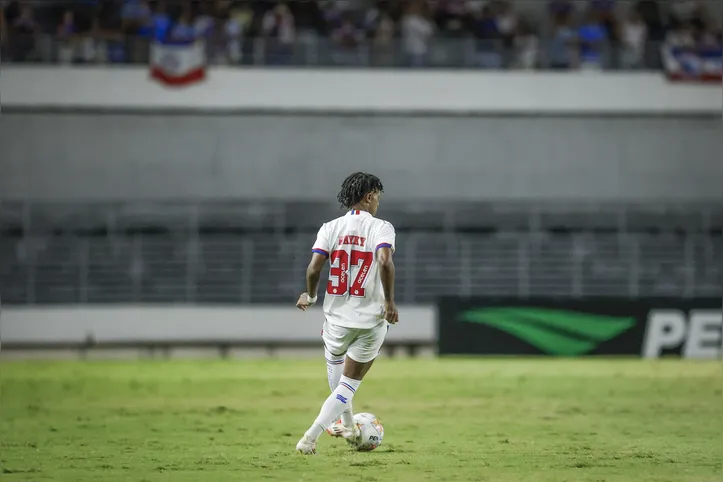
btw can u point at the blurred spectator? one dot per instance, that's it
(237, 24)
(3, 30)
(693, 41)
(11, 12)
(651, 15)
(416, 32)
(649, 11)
(209, 24)
(562, 51)
(380, 29)
(279, 32)
(383, 48)
(67, 36)
(680, 45)
(560, 10)
(204, 21)
(507, 23)
(488, 51)
(606, 13)
(23, 32)
(136, 16)
(687, 12)
(347, 42)
(309, 17)
(107, 29)
(451, 17)
(333, 13)
(486, 33)
(161, 21)
(682, 37)
(527, 46)
(137, 27)
(184, 29)
(452, 20)
(74, 35)
(710, 41)
(4, 26)
(633, 37)
(592, 37)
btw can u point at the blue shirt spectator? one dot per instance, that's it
(136, 15)
(485, 28)
(592, 36)
(161, 23)
(561, 46)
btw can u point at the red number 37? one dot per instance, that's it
(340, 272)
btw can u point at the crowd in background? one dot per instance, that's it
(524, 34)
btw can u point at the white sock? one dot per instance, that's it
(335, 404)
(334, 369)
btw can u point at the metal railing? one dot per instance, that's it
(227, 268)
(311, 50)
(278, 217)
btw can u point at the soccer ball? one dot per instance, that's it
(372, 432)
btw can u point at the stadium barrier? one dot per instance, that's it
(475, 326)
(649, 328)
(163, 328)
(356, 92)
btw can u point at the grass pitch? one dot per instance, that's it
(446, 420)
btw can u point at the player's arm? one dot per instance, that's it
(313, 273)
(319, 254)
(384, 258)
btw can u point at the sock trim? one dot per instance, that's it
(346, 385)
(335, 362)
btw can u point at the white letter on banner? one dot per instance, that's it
(665, 329)
(704, 334)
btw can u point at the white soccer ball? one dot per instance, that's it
(372, 431)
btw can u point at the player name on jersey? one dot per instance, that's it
(352, 240)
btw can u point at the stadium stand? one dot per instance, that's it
(519, 34)
(172, 253)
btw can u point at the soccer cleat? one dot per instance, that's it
(336, 429)
(353, 435)
(306, 447)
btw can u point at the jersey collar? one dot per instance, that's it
(357, 212)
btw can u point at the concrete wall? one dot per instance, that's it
(188, 324)
(87, 156)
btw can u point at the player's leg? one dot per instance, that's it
(338, 402)
(334, 369)
(336, 342)
(360, 357)
(338, 338)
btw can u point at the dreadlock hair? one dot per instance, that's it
(356, 186)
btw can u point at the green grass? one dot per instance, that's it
(445, 420)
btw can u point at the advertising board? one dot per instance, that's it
(555, 327)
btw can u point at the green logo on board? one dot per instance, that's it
(555, 332)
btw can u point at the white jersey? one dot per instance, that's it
(354, 294)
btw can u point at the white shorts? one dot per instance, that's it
(359, 344)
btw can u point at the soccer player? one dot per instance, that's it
(359, 301)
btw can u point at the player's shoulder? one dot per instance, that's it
(336, 221)
(383, 224)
